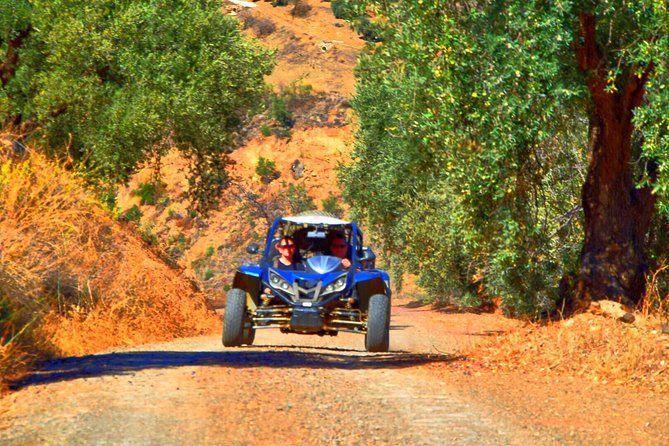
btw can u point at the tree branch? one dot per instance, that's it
(634, 90)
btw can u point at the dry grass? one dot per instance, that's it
(72, 281)
(591, 346)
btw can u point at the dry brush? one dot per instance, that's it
(73, 281)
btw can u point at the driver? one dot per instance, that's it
(339, 248)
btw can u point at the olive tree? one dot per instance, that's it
(110, 83)
(480, 121)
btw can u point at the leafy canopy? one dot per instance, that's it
(472, 138)
(116, 81)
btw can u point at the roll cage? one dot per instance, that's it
(312, 236)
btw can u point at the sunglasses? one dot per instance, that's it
(339, 246)
(286, 246)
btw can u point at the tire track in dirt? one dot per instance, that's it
(287, 389)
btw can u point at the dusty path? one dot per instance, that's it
(286, 389)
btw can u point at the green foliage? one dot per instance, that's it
(107, 196)
(133, 214)
(113, 83)
(355, 12)
(280, 112)
(471, 147)
(266, 170)
(146, 232)
(331, 205)
(297, 199)
(296, 90)
(279, 108)
(347, 9)
(209, 251)
(148, 192)
(265, 131)
(208, 274)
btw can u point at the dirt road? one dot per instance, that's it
(286, 389)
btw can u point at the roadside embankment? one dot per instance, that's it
(74, 281)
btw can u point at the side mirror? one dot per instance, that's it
(368, 257)
(253, 248)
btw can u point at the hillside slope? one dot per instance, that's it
(74, 281)
(316, 55)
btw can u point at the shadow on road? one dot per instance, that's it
(129, 362)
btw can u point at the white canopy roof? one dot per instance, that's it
(315, 220)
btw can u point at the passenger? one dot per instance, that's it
(289, 258)
(339, 248)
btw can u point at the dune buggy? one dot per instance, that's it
(324, 299)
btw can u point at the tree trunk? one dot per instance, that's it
(8, 65)
(8, 70)
(617, 214)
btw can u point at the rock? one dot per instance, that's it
(627, 318)
(609, 308)
(297, 169)
(665, 328)
(325, 45)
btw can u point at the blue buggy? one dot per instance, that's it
(321, 298)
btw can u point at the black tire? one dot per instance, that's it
(377, 338)
(235, 314)
(248, 332)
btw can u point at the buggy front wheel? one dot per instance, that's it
(235, 315)
(377, 338)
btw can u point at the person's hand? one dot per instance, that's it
(346, 263)
(266, 291)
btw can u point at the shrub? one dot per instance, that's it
(295, 90)
(148, 192)
(297, 199)
(280, 112)
(107, 196)
(331, 205)
(300, 9)
(149, 237)
(209, 251)
(265, 130)
(266, 170)
(133, 214)
(261, 26)
(339, 9)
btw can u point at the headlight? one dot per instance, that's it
(279, 283)
(336, 286)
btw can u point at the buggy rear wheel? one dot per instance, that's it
(377, 338)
